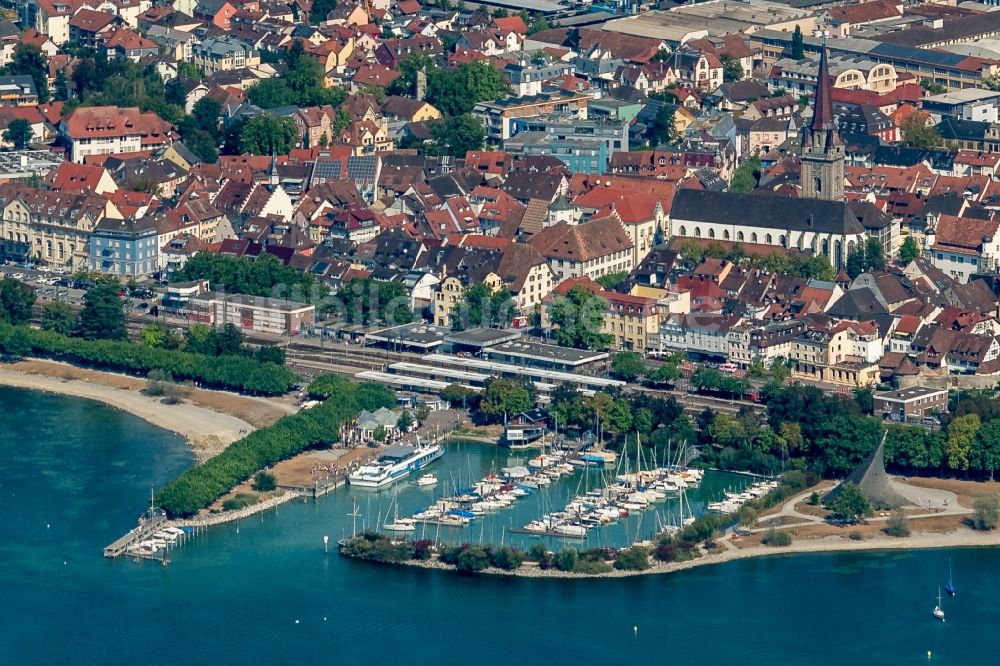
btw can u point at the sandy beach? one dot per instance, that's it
(208, 420)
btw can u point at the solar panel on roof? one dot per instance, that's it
(327, 169)
(361, 168)
(942, 58)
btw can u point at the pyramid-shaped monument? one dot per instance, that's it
(870, 476)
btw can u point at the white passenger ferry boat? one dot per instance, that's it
(393, 464)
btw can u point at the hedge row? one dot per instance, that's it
(238, 373)
(319, 426)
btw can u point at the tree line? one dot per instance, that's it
(319, 426)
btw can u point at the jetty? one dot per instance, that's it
(149, 523)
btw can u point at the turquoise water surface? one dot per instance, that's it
(74, 474)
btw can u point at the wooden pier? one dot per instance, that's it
(146, 528)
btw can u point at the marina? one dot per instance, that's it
(68, 605)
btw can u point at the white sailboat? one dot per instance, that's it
(938, 613)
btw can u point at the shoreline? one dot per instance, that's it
(206, 431)
(962, 538)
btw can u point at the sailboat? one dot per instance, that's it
(949, 586)
(938, 613)
(400, 524)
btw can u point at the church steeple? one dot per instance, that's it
(822, 159)
(822, 131)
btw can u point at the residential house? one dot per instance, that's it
(223, 54)
(962, 246)
(107, 130)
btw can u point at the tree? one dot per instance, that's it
(482, 307)
(30, 61)
(732, 70)
(58, 317)
(897, 525)
(874, 254)
(566, 559)
(456, 135)
(612, 280)
(18, 133)
(61, 92)
(745, 177)
(663, 131)
(856, 260)
(987, 512)
(628, 366)
(916, 132)
(319, 10)
(102, 316)
(961, 435)
(457, 91)
(204, 147)
(268, 135)
(154, 335)
(457, 395)
(580, 318)
(366, 301)
(747, 516)
(504, 398)
(798, 44)
(264, 482)
(850, 503)
(405, 421)
(985, 453)
(472, 560)
(16, 301)
(909, 250)
(206, 114)
(932, 87)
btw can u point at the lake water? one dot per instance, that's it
(74, 474)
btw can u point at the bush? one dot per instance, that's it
(507, 558)
(450, 554)
(776, 538)
(855, 536)
(566, 559)
(665, 552)
(897, 525)
(200, 486)
(591, 567)
(537, 552)
(239, 501)
(814, 498)
(635, 558)
(264, 482)
(378, 548)
(987, 512)
(472, 560)
(422, 549)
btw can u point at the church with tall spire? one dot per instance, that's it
(819, 221)
(822, 158)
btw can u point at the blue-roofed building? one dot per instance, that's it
(127, 248)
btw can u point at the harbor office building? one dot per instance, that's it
(255, 314)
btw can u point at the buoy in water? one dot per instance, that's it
(296, 622)
(635, 629)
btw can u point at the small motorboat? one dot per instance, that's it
(427, 480)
